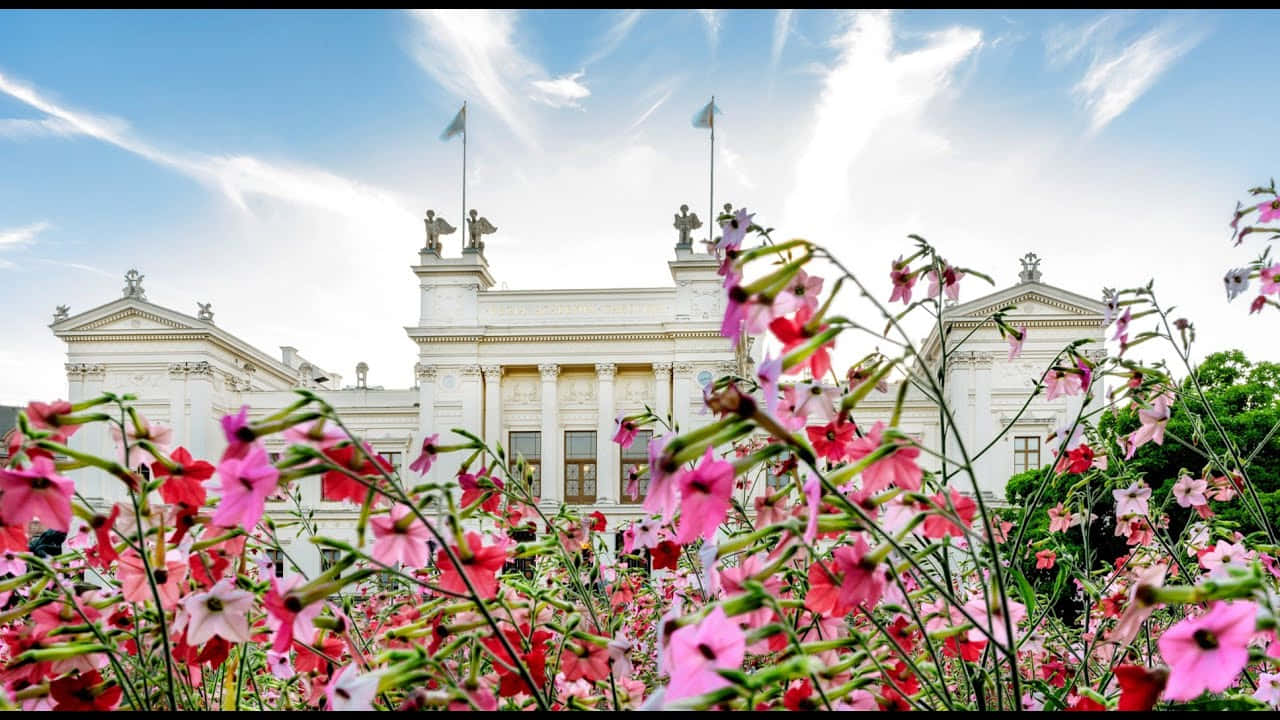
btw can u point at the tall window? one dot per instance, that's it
(277, 560)
(1026, 453)
(393, 459)
(635, 456)
(580, 466)
(529, 445)
(328, 558)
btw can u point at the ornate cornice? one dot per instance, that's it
(583, 337)
(424, 372)
(662, 369)
(130, 312)
(1090, 323)
(606, 371)
(549, 372)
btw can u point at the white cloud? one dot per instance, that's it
(868, 86)
(713, 19)
(21, 128)
(614, 38)
(22, 236)
(781, 28)
(733, 162)
(1062, 43)
(562, 92)
(474, 51)
(1115, 80)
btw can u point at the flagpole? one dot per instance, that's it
(711, 200)
(464, 176)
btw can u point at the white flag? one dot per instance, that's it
(706, 116)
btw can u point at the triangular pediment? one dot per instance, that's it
(127, 315)
(1029, 298)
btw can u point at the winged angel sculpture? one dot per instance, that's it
(479, 227)
(436, 226)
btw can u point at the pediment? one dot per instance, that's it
(127, 315)
(1029, 299)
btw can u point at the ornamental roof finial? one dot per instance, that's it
(1030, 268)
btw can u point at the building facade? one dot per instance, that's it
(544, 372)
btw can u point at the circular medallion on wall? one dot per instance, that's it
(449, 382)
(704, 378)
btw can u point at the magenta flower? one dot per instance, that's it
(1270, 280)
(704, 498)
(735, 230)
(239, 435)
(1122, 327)
(864, 580)
(801, 292)
(899, 468)
(768, 372)
(992, 616)
(813, 496)
(1269, 210)
(1208, 652)
(316, 433)
(1015, 341)
(399, 540)
(38, 492)
(648, 533)
(423, 463)
(735, 313)
(245, 486)
(695, 652)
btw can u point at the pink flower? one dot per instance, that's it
(170, 580)
(1153, 423)
(734, 230)
(813, 494)
(663, 494)
(1059, 382)
(695, 652)
(280, 665)
(626, 433)
(903, 280)
(222, 611)
(1015, 341)
(1122, 327)
(801, 291)
(992, 616)
(399, 540)
(768, 372)
(704, 498)
(950, 281)
(317, 434)
(1269, 210)
(648, 533)
(1189, 491)
(1226, 555)
(1132, 500)
(47, 416)
(899, 468)
(245, 486)
(1060, 519)
(286, 616)
(864, 580)
(161, 435)
(38, 492)
(348, 690)
(1270, 280)
(1208, 652)
(1045, 559)
(423, 463)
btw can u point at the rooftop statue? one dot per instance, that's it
(478, 227)
(686, 222)
(436, 226)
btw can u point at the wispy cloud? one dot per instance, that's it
(79, 266)
(22, 128)
(713, 19)
(733, 162)
(781, 29)
(1063, 43)
(614, 38)
(869, 87)
(22, 236)
(564, 91)
(670, 87)
(236, 176)
(1115, 80)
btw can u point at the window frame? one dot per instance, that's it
(325, 554)
(624, 461)
(580, 466)
(1023, 452)
(535, 462)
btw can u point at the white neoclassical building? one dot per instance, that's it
(544, 372)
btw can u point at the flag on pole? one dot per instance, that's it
(706, 116)
(459, 124)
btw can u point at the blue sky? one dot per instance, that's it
(277, 164)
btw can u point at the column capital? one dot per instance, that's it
(491, 372)
(422, 371)
(662, 369)
(683, 368)
(606, 371)
(84, 369)
(470, 371)
(549, 372)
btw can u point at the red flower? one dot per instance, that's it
(1084, 703)
(831, 441)
(481, 568)
(13, 537)
(534, 660)
(665, 555)
(1076, 461)
(969, 650)
(892, 700)
(903, 634)
(824, 596)
(337, 485)
(937, 526)
(799, 697)
(106, 551)
(184, 486)
(791, 332)
(1045, 559)
(598, 523)
(84, 693)
(1139, 687)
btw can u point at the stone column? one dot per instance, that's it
(178, 404)
(992, 473)
(606, 449)
(472, 402)
(493, 405)
(552, 484)
(662, 389)
(682, 390)
(204, 429)
(84, 382)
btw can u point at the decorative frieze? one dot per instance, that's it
(86, 369)
(190, 368)
(606, 371)
(423, 371)
(549, 372)
(662, 370)
(470, 372)
(683, 368)
(492, 373)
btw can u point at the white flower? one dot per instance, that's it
(1189, 491)
(1236, 282)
